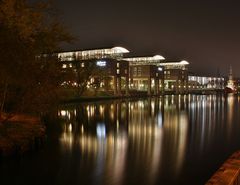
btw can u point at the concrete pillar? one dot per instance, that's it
(162, 86)
(149, 86)
(187, 87)
(105, 84)
(156, 84)
(115, 85)
(177, 87)
(127, 86)
(119, 85)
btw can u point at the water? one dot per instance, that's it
(172, 140)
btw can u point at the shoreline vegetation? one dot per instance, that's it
(21, 134)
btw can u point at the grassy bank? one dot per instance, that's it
(20, 134)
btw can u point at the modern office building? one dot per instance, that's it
(106, 66)
(146, 74)
(203, 82)
(113, 72)
(175, 76)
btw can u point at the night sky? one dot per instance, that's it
(206, 33)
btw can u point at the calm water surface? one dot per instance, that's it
(172, 140)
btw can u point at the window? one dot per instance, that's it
(82, 64)
(139, 71)
(135, 71)
(118, 71)
(118, 65)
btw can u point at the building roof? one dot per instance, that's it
(146, 60)
(115, 52)
(177, 63)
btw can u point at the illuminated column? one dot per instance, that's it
(162, 86)
(158, 87)
(119, 85)
(149, 85)
(105, 84)
(115, 85)
(186, 85)
(127, 85)
(156, 84)
(177, 86)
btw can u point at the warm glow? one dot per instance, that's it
(159, 57)
(120, 50)
(184, 62)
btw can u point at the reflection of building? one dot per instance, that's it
(145, 74)
(200, 82)
(148, 136)
(111, 70)
(176, 76)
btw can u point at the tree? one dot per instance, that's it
(28, 81)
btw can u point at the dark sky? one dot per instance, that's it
(204, 32)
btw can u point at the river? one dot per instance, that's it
(171, 140)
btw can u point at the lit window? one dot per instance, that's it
(70, 65)
(125, 71)
(118, 64)
(64, 66)
(82, 64)
(118, 71)
(101, 63)
(160, 69)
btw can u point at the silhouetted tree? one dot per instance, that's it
(28, 81)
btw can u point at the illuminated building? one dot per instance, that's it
(176, 76)
(230, 87)
(146, 74)
(108, 61)
(202, 82)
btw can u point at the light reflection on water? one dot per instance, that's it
(171, 140)
(149, 137)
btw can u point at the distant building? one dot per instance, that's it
(204, 82)
(175, 76)
(120, 74)
(116, 70)
(231, 84)
(146, 74)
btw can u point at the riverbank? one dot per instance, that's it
(20, 134)
(137, 95)
(228, 173)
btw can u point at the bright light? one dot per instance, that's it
(101, 63)
(101, 130)
(120, 50)
(184, 62)
(158, 57)
(160, 69)
(63, 113)
(70, 128)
